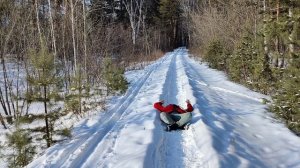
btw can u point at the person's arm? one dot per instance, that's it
(190, 108)
(159, 106)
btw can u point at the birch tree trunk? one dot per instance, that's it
(67, 66)
(291, 36)
(52, 30)
(134, 10)
(73, 36)
(84, 37)
(38, 21)
(275, 63)
(266, 71)
(266, 50)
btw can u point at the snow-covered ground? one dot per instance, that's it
(230, 126)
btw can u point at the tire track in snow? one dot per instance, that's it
(182, 148)
(165, 149)
(202, 91)
(178, 149)
(195, 150)
(172, 148)
(203, 82)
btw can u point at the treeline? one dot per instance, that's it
(71, 50)
(75, 51)
(257, 43)
(79, 36)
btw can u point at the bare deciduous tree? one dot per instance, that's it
(52, 29)
(134, 9)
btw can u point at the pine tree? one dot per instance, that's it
(107, 11)
(23, 151)
(79, 90)
(287, 99)
(261, 74)
(241, 62)
(216, 55)
(113, 76)
(43, 80)
(170, 13)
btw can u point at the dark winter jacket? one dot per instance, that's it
(172, 108)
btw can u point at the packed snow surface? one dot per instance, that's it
(230, 126)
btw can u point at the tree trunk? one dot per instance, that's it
(134, 9)
(2, 121)
(38, 21)
(52, 30)
(266, 71)
(277, 38)
(46, 118)
(2, 101)
(5, 101)
(66, 65)
(80, 92)
(266, 50)
(291, 37)
(73, 36)
(3, 104)
(6, 87)
(84, 38)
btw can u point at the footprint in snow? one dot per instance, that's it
(267, 150)
(219, 125)
(245, 124)
(258, 136)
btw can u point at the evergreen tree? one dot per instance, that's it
(43, 79)
(113, 76)
(151, 12)
(287, 98)
(261, 74)
(23, 151)
(241, 62)
(216, 55)
(108, 11)
(79, 90)
(170, 13)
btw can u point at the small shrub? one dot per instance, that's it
(23, 151)
(73, 105)
(27, 119)
(113, 75)
(66, 132)
(216, 55)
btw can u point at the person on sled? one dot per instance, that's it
(174, 116)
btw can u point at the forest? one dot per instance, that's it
(75, 51)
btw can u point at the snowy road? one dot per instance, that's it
(230, 127)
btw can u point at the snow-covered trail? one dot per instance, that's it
(230, 127)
